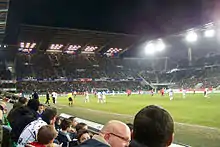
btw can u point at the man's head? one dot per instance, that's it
(116, 133)
(46, 134)
(74, 122)
(153, 127)
(80, 126)
(82, 135)
(65, 124)
(58, 120)
(23, 100)
(33, 104)
(49, 115)
(41, 108)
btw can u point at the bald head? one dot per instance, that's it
(115, 126)
(116, 133)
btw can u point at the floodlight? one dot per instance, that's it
(74, 47)
(56, 46)
(90, 48)
(33, 45)
(150, 48)
(160, 45)
(191, 36)
(209, 33)
(22, 45)
(52, 46)
(27, 45)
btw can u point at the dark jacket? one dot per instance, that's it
(96, 141)
(66, 138)
(48, 96)
(18, 104)
(136, 144)
(92, 143)
(18, 119)
(35, 95)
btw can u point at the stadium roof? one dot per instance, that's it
(108, 16)
(80, 41)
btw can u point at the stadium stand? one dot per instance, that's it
(47, 66)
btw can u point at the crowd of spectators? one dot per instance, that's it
(55, 66)
(61, 87)
(31, 124)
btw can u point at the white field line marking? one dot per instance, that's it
(130, 116)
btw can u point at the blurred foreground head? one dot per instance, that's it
(153, 127)
(33, 104)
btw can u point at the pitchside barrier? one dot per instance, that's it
(96, 127)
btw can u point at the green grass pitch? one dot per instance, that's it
(197, 118)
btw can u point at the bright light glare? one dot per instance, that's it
(209, 33)
(191, 37)
(150, 48)
(160, 46)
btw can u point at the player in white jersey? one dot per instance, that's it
(206, 92)
(74, 94)
(171, 94)
(184, 93)
(104, 96)
(54, 97)
(86, 96)
(99, 95)
(113, 93)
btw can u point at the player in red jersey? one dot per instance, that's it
(162, 92)
(128, 92)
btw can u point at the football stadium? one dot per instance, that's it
(70, 86)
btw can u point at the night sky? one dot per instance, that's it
(142, 17)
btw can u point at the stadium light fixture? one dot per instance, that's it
(114, 50)
(209, 33)
(150, 48)
(52, 46)
(56, 46)
(27, 45)
(90, 48)
(33, 45)
(191, 36)
(73, 47)
(22, 44)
